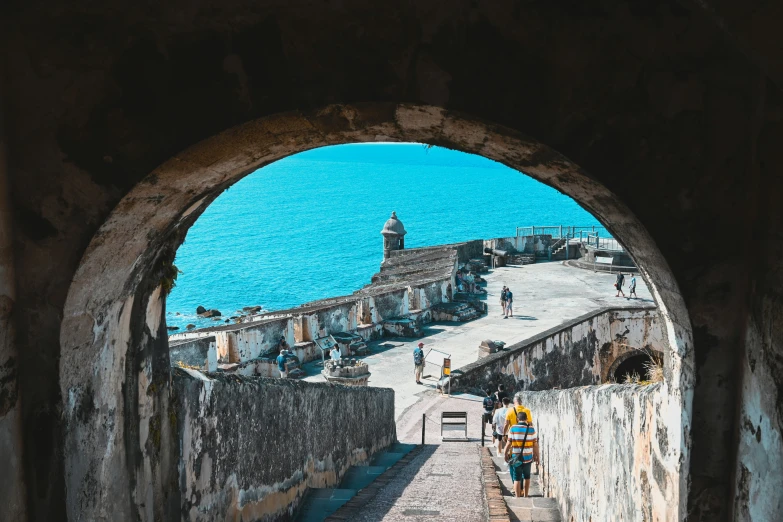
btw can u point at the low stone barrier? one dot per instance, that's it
(192, 352)
(387, 311)
(609, 452)
(466, 250)
(579, 352)
(250, 447)
(537, 245)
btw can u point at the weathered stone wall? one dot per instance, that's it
(609, 452)
(12, 488)
(338, 318)
(193, 352)
(250, 447)
(579, 352)
(588, 253)
(391, 305)
(466, 250)
(537, 245)
(758, 475)
(253, 342)
(432, 294)
(245, 341)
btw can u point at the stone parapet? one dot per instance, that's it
(609, 452)
(235, 463)
(580, 352)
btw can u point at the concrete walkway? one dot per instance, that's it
(545, 295)
(443, 481)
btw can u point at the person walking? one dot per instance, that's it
(281, 359)
(503, 301)
(500, 394)
(632, 288)
(520, 452)
(618, 284)
(489, 407)
(418, 362)
(512, 417)
(498, 422)
(509, 304)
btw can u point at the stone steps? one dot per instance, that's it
(458, 311)
(534, 508)
(320, 503)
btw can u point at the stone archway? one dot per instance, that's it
(643, 355)
(120, 448)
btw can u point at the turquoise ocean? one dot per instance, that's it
(308, 226)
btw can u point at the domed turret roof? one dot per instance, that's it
(393, 226)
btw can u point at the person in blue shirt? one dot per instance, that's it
(509, 312)
(418, 362)
(632, 288)
(281, 363)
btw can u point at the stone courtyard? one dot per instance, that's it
(545, 295)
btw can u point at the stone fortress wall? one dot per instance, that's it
(250, 447)
(579, 253)
(402, 297)
(579, 352)
(537, 245)
(623, 437)
(586, 424)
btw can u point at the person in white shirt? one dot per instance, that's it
(499, 422)
(334, 353)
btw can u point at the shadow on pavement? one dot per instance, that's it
(393, 484)
(432, 331)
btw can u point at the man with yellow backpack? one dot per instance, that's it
(517, 415)
(520, 452)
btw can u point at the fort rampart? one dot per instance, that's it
(250, 447)
(623, 437)
(579, 352)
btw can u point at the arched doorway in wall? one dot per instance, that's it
(635, 366)
(114, 361)
(268, 244)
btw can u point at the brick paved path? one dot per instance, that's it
(443, 481)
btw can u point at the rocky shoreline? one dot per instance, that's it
(212, 315)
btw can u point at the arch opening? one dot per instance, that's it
(318, 237)
(636, 367)
(114, 315)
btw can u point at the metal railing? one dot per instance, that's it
(602, 243)
(595, 236)
(563, 231)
